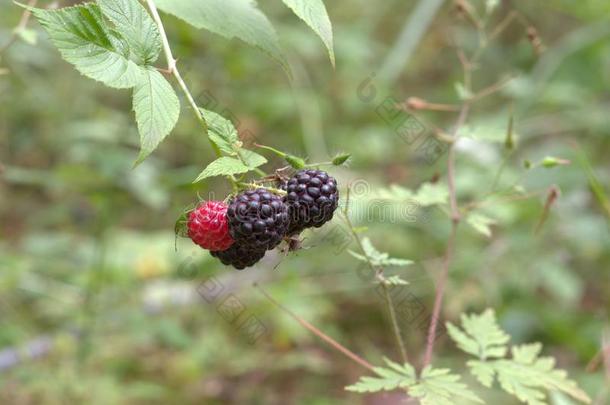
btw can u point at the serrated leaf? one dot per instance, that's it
(84, 40)
(526, 375)
(221, 131)
(440, 387)
(376, 257)
(480, 223)
(223, 166)
(135, 25)
(231, 19)
(314, 14)
(157, 109)
(252, 159)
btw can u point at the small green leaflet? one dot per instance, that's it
(314, 14)
(394, 280)
(223, 166)
(481, 337)
(221, 131)
(231, 19)
(376, 257)
(251, 159)
(480, 223)
(388, 378)
(27, 35)
(85, 40)
(434, 387)
(116, 42)
(526, 375)
(440, 387)
(157, 109)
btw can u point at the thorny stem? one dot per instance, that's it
(386, 293)
(254, 185)
(448, 256)
(173, 70)
(353, 356)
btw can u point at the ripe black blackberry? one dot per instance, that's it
(312, 198)
(239, 256)
(258, 219)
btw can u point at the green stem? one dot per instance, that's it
(386, 293)
(173, 70)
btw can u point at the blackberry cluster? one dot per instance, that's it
(239, 256)
(258, 219)
(312, 198)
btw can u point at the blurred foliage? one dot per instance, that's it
(87, 257)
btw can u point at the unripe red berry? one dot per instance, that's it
(208, 226)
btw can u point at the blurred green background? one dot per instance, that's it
(97, 306)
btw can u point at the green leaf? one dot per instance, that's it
(230, 19)
(252, 159)
(481, 337)
(314, 14)
(376, 257)
(221, 131)
(139, 30)
(526, 375)
(157, 109)
(84, 40)
(480, 223)
(396, 376)
(223, 166)
(440, 387)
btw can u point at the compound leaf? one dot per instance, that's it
(526, 375)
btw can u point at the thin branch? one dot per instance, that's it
(386, 293)
(23, 22)
(336, 345)
(448, 257)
